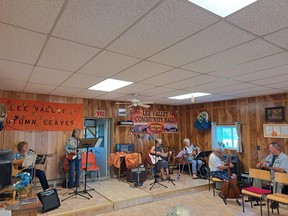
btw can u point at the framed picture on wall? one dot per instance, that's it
(275, 114)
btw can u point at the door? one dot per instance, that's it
(99, 128)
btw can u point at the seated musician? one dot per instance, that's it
(18, 159)
(276, 161)
(218, 168)
(162, 162)
(189, 156)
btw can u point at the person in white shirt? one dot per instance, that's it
(218, 168)
(190, 152)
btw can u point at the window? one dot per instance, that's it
(227, 136)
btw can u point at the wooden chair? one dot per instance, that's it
(278, 197)
(213, 180)
(255, 191)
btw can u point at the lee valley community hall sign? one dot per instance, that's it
(37, 115)
(154, 121)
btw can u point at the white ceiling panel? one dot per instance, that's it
(81, 81)
(259, 93)
(157, 90)
(279, 38)
(107, 64)
(97, 23)
(48, 76)
(15, 71)
(39, 88)
(134, 88)
(20, 45)
(89, 94)
(12, 85)
(109, 96)
(168, 77)
(262, 17)
(249, 90)
(215, 85)
(170, 22)
(273, 79)
(66, 91)
(281, 70)
(248, 51)
(37, 15)
(141, 71)
(193, 82)
(226, 90)
(65, 55)
(254, 65)
(218, 37)
(279, 85)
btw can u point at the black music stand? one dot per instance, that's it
(76, 192)
(138, 183)
(169, 179)
(87, 143)
(200, 156)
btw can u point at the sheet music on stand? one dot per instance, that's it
(29, 160)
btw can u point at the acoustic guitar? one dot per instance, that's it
(71, 156)
(230, 189)
(16, 166)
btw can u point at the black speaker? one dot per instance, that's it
(132, 174)
(125, 147)
(49, 199)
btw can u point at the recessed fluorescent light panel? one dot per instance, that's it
(110, 85)
(186, 96)
(222, 8)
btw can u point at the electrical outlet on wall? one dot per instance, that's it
(258, 147)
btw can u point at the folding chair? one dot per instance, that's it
(91, 165)
(278, 197)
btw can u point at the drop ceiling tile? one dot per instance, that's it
(272, 79)
(15, 71)
(135, 88)
(245, 52)
(277, 71)
(171, 21)
(157, 90)
(81, 81)
(141, 71)
(262, 17)
(39, 88)
(249, 90)
(65, 55)
(279, 85)
(48, 76)
(66, 91)
(254, 65)
(227, 89)
(109, 96)
(97, 23)
(259, 93)
(192, 82)
(33, 14)
(89, 94)
(12, 85)
(214, 39)
(169, 77)
(20, 45)
(221, 83)
(107, 64)
(279, 38)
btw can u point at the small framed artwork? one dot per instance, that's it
(275, 114)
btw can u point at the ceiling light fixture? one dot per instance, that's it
(190, 95)
(110, 85)
(222, 8)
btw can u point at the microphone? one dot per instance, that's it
(145, 129)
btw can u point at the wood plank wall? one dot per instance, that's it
(248, 111)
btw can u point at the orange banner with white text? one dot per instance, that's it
(42, 116)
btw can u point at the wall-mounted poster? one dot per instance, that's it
(122, 112)
(154, 121)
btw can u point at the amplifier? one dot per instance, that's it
(132, 174)
(49, 199)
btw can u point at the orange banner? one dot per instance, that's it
(43, 116)
(154, 121)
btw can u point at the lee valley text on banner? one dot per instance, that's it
(44, 116)
(154, 121)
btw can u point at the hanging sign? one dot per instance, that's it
(43, 116)
(154, 121)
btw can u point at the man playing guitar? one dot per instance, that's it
(160, 158)
(74, 157)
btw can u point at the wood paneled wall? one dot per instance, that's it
(248, 111)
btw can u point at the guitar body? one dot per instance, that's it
(153, 158)
(16, 164)
(71, 156)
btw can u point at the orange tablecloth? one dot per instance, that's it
(131, 159)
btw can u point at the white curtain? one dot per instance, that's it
(214, 141)
(238, 129)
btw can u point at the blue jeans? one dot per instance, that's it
(196, 165)
(74, 166)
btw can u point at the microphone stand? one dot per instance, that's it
(169, 179)
(138, 183)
